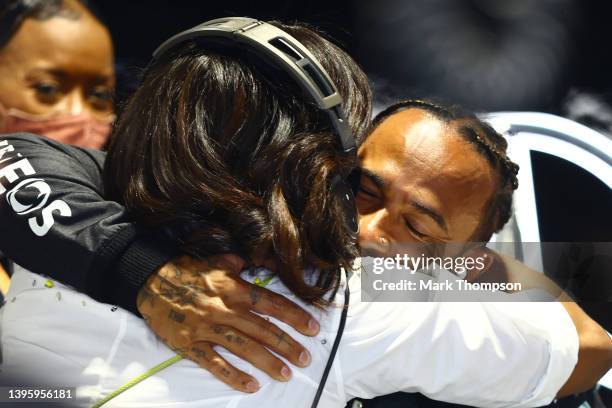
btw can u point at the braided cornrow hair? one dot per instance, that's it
(488, 142)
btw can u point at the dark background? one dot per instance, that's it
(545, 55)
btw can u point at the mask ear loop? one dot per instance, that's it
(334, 350)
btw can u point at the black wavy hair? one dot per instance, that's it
(227, 156)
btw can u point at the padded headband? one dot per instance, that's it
(280, 50)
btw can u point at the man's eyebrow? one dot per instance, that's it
(431, 213)
(375, 178)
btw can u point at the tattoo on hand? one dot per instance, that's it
(145, 295)
(255, 295)
(181, 351)
(180, 295)
(280, 337)
(199, 353)
(186, 295)
(167, 290)
(176, 270)
(232, 337)
(176, 316)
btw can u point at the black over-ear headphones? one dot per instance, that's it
(280, 50)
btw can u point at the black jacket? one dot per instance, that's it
(52, 204)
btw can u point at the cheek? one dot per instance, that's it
(13, 93)
(467, 227)
(467, 205)
(99, 112)
(466, 219)
(18, 95)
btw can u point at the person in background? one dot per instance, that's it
(56, 71)
(56, 76)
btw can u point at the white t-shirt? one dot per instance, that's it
(481, 354)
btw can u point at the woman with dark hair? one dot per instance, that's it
(56, 71)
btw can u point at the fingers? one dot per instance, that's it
(271, 336)
(269, 303)
(249, 350)
(206, 357)
(214, 307)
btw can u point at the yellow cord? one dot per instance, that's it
(137, 380)
(260, 282)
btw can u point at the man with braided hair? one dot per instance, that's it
(432, 174)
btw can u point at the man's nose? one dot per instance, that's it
(375, 233)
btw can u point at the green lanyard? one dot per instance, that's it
(137, 380)
(260, 282)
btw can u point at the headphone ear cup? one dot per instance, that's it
(354, 180)
(344, 191)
